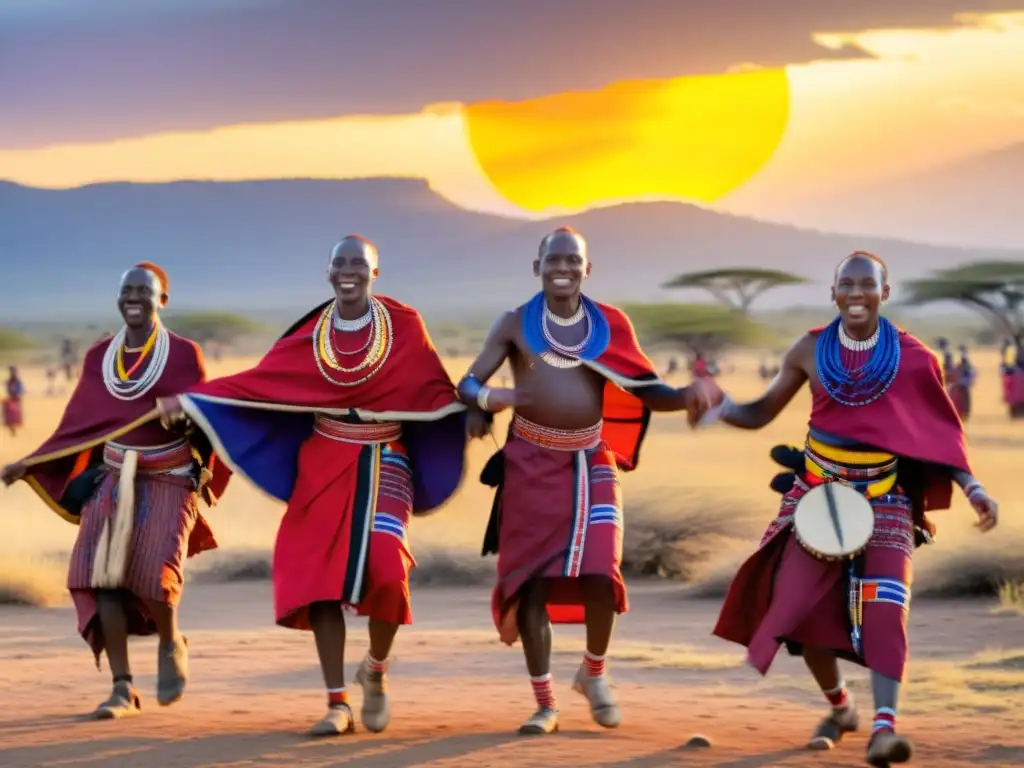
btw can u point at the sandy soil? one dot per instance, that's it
(459, 694)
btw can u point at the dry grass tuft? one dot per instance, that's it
(694, 509)
(1011, 597)
(31, 581)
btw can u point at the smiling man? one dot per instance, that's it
(352, 420)
(583, 393)
(882, 423)
(133, 486)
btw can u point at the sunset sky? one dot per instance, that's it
(520, 108)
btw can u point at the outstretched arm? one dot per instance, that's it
(791, 377)
(665, 398)
(497, 347)
(482, 400)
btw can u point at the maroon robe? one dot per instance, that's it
(914, 420)
(93, 417)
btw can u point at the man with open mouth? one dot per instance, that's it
(133, 487)
(582, 397)
(352, 420)
(882, 424)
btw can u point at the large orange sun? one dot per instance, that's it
(689, 138)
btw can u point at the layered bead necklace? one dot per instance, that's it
(867, 382)
(559, 355)
(118, 381)
(378, 344)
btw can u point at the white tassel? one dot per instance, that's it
(99, 560)
(116, 539)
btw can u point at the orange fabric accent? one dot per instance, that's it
(624, 425)
(81, 464)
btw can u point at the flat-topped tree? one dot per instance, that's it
(736, 287)
(694, 327)
(994, 289)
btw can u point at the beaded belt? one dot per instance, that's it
(171, 459)
(556, 439)
(110, 559)
(364, 434)
(871, 473)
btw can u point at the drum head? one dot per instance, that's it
(813, 520)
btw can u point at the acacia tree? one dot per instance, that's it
(694, 327)
(994, 289)
(737, 287)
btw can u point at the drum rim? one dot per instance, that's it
(813, 550)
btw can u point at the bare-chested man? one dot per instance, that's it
(882, 423)
(583, 392)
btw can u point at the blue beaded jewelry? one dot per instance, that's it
(533, 328)
(863, 385)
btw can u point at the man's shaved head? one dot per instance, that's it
(864, 256)
(563, 240)
(354, 244)
(562, 264)
(860, 287)
(352, 270)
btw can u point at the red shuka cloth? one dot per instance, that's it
(542, 522)
(412, 380)
(915, 419)
(93, 417)
(626, 367)
(343, 489)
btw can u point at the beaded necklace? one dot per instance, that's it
(143, 351)
(560, 355)
(380, 343)
(565, 322)
(866, 383)
(539, 338)
(118, 381)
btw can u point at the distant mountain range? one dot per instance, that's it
(259, 246)
(977, 200)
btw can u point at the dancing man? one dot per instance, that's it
(882, 423)
(583, 392)
(133, 488)
(352, 420)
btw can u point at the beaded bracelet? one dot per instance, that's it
(481, 397)
(973, 489)
(472, 390)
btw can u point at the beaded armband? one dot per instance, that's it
(473, 392)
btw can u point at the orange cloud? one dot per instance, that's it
(689, 138)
